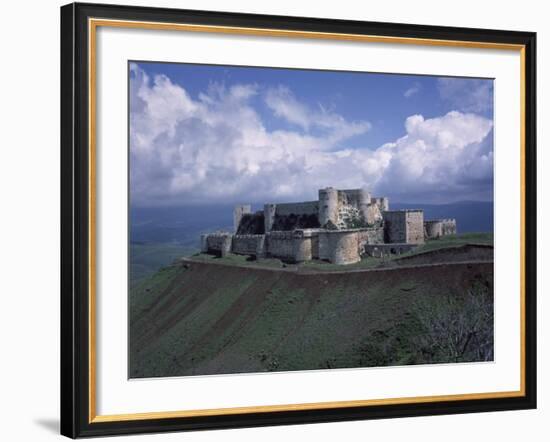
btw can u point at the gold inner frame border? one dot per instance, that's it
(93, 24)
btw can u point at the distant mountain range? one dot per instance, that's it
(180, 225)
(183, 225)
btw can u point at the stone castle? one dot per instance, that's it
(341, 227)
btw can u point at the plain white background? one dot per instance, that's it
(29, 183)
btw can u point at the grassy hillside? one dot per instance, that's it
(205, 318)
(147, 258)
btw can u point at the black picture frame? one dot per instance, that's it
(75, 221)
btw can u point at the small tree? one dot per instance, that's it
(456, 329)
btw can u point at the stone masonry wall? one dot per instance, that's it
(295, 246)
(248, 245)
(404, 226)
(238, 213)
(439, 227)
(218, 243)
(328, 206)
(302, 249)
(290, 216)
(371, 235)
(394, 226)
(339, 246)
(280, 245)
(415, 226)
(433, 229)
(449, 226)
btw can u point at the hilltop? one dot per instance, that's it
(204, 318)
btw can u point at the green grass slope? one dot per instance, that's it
(202, 318)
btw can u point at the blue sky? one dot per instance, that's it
(202, 134)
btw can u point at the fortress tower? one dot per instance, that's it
(269, 216)
(328, 206)
(363, 202)
(238, 213)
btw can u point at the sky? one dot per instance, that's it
(205, 134)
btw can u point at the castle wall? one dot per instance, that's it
(415, 227)
(339, 246)
(371, 235)
(350, 208)
(348, 216)
(280, 244)
(218, 243)
(302, 248)
(248, 245)
(395, 229)
(404, 226)
(295, 246)
(433, 229)
(372, 214)
(238, 213)
(323, 250)
(290, 216)
(339, 227)
(439, 227)
(251, 224)
(355, 197)
(449, 226)
(315, 246)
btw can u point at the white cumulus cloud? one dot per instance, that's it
(448, 157)
(215, 148)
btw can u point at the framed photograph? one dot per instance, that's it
(274, 220)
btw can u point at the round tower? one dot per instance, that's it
(364, 203)
(328, 206)
(343, 247)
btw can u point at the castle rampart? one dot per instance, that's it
(217, 243)
(340, 227)
(248, 245)
(439, 227)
